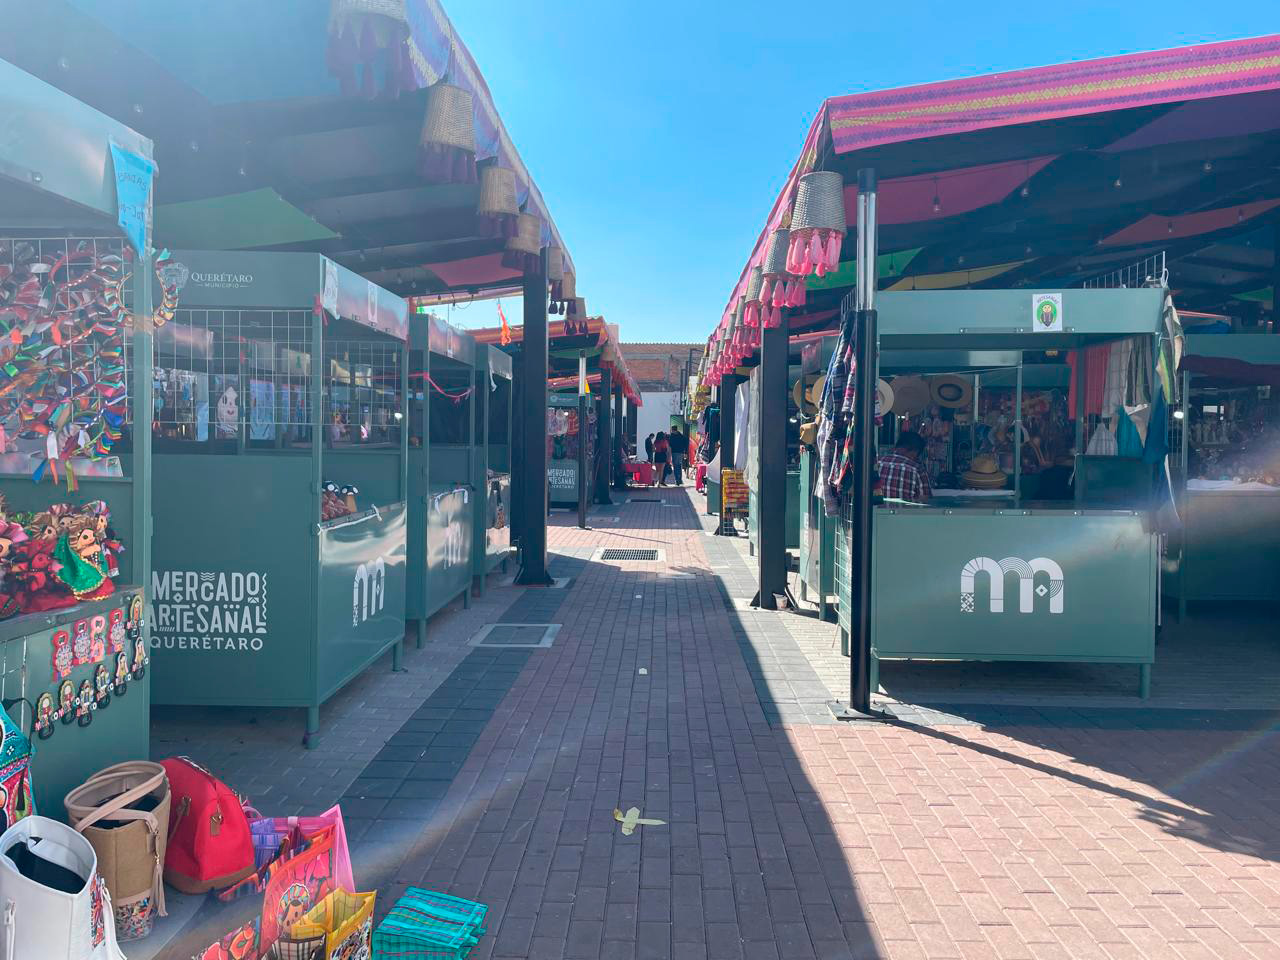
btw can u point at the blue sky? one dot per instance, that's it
(660, 132)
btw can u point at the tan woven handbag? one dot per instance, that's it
(123, 811)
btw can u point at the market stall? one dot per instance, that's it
(442, 479)
(564, 434)
(492, 470)
(76, 320)
(1227, 447)
(280, 481)
(1085, 566)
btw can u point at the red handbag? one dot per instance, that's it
(209, 843)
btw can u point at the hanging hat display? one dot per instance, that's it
(910, 395)
(780, 288)
(497, 207)
(817, 224)
(362, 33)
(884, 397)
(523, 249)
(751, 310)
(447, 145)
(951, 390)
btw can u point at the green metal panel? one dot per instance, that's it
(1231, 550)
(793, 511)
(1251, 348)
(497, 520)
(450, 514)
(362, 593)
(119, 731)
(416, 534)
(451, 463)
(713, 498)
(996, 319)
(57, 147)
(562, 480)
(234, 588)
(817, 534)
(926, 605)
(376, 473)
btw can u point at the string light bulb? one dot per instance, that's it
(937, 201)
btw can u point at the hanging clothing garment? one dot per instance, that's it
(1117, 377)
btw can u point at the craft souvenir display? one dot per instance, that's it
(46, 716)
(69, 554)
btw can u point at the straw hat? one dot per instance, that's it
(910, 395)
(815, 391)
(884, 397)
(800, 392)
(984, 474)
(951, 390)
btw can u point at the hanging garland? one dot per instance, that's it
(63, 375)
(457, 397)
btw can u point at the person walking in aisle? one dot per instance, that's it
(648, 447)
(661, 457)
(679, 444)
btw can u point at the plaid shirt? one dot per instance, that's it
(901, 478)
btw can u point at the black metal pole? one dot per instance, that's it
(771, 524)
(517, 452)
(604, 455)
(860, 572)
(584, 436)
(728, 431)
(531, 476)
(619, 419)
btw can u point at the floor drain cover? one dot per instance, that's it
(614, 553)
(644, 499)
(516, 635)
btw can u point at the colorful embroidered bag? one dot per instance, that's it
(16, 799)
(295, 885)
(344, 920)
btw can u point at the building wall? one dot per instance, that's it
(655, 414)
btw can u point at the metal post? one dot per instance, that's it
(584, 481)
(604, 454)
(143, 357)
(517, 451)
(619, 425)
(771, 524)
(529, 476)
(1017, 438)
(865, 351)
(728, 441)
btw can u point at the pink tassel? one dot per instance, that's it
(779, 294)
(815, 253)
(820, 268)
(833, 250)
(793, 255)
(765, 289)
(751, 316)
(797, 295)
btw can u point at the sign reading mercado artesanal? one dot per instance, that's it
(221, 611)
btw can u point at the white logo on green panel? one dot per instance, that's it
(1027, 589)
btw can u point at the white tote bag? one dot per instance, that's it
(40, 921)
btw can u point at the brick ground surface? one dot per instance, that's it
(1129, 833)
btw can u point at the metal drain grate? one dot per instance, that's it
(614, 553)
(516, 635)
(644, 499)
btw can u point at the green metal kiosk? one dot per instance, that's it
(1225, 445)
(973, 579)
(59, 220)
(442, 478)
(492, 462)
(281, 378)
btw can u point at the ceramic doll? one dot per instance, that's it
(115, 631)
(84, 712)
(45, 716)
(80, 642)
(139, 659)
(122, 674)
(98, 638)
(63, 660)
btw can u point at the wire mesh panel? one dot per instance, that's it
(234, 375)
(844, 566)
(362, 392)
(64, 325)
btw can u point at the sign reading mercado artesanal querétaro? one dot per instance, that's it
(215, 611)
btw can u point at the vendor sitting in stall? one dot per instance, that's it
(901, 476)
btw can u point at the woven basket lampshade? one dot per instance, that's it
(569, 285)
(447, 144)
(497, 207)
(366, 34)
(555, 264)
(817, 224)
(781, 289)
(523, 250)
(575, 317)
(751, 311)
(555, 278)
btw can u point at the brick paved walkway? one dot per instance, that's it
(1042, 834)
